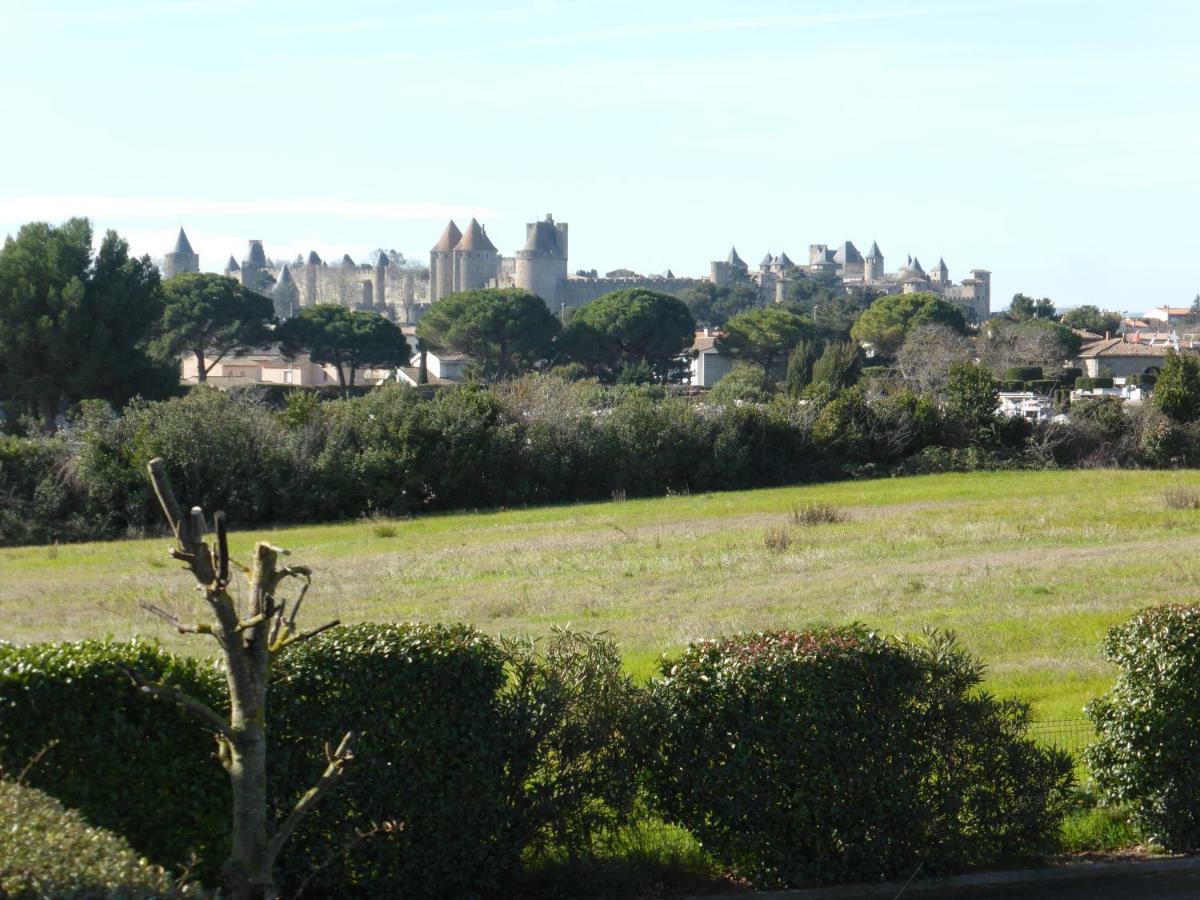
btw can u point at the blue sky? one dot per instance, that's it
(1054, 142)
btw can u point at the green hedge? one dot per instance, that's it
(1041, 385)
(48, 852)
(431, 756)
(477, 750)
(1070, 373)
(836, 755)
(142, 768)
(1143, 378)
(1147, 740)
(1023, 373)
(1087, 384)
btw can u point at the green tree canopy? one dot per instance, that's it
(211, 316)
(504, 331)
(887, 322)
(839, 366)
(627, 328)
(75, 326)
(764, 337)
(972, 392)
(1090, 318)
(1177, 391)
(1023, 307)
(714, 306)
(347, 340)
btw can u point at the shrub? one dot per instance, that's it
(777, 540)
(430, 757)
(1023, 373)
(816, 514)
(1104, 381)
(1012, 386)
(1069, 373)
(745, 382)
(1084, 384)
(1147, 741)
(1177, 391)
(144, 769)
(48, 852)
(837, 755)
(576, 741)
(1041, 385)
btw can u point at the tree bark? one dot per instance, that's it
(201, 369)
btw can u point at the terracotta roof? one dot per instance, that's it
(474, 238)
(449, 238)
(182, 245)
(705, 341)
(1120, 347)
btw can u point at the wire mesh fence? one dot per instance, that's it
(1071, 735)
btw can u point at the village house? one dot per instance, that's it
(708, 365)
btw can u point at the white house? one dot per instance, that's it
(708, 365)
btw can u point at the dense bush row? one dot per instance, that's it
(541, 439)
(795, 757)
(48, 852)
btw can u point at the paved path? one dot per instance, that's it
(1147, 886)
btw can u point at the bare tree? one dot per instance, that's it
(927, 354)
(249, 639)
(1004, 344)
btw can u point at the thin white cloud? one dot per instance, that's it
(61, 206)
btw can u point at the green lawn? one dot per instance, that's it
(1029, 568)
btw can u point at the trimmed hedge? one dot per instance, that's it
(144, 769)
(1147, 740)
(475, 750)
(1042, 385)
(837, 755)
(1143, 378)
(430, 756)
(1024, 373)
(1087, 384)
(48, 852)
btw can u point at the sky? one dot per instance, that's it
(1054, 142)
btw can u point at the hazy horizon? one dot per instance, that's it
(1050, 142)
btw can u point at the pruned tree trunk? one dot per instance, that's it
(249, 639)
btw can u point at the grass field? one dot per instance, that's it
(1029, 568)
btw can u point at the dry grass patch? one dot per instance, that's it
(1180, 497)
(810, 514)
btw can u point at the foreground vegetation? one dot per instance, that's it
(1029, 568)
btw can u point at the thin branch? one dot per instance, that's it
(303, 590)
(198, 628)
(250, 622)
(166, 497)
(287, 639)
(174, 694)
(222, 547)
(329, 778)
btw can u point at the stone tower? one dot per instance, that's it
(285, 295)
(310, 279)
(181, 259)
(940, 274)
(441, 263)
(232, 269)
(254, 267)
(873, 264)
(476, 260)
(380, 291)
(542, 263)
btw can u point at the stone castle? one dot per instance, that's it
(851, 269)
(468, 260)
